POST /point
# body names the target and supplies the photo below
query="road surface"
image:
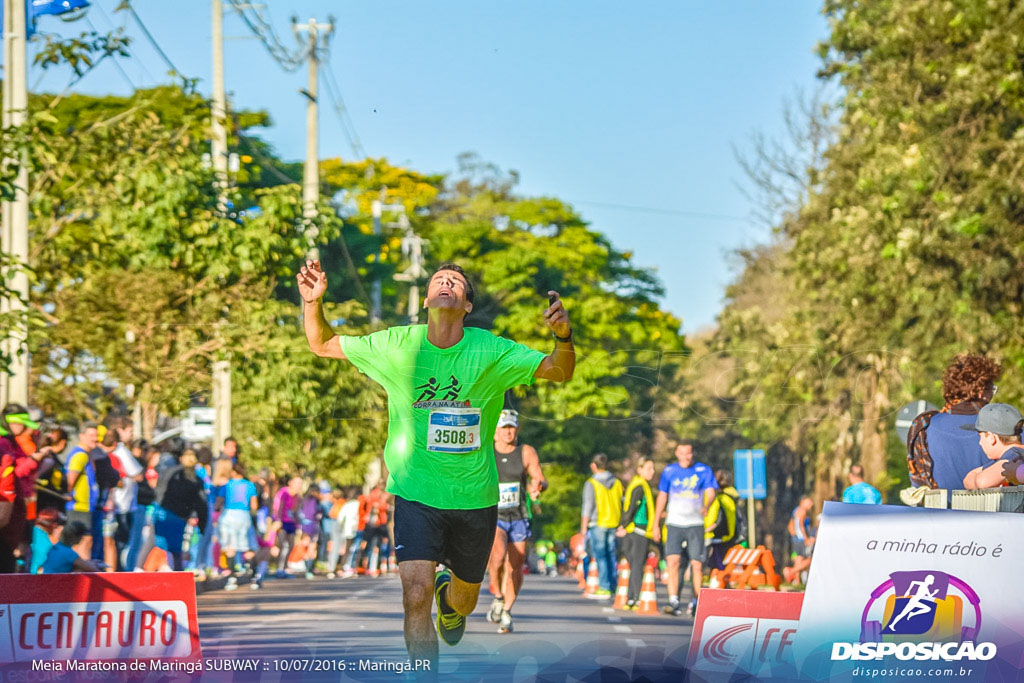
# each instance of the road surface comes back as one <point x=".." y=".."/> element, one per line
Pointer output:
<point x="293" y="626"/>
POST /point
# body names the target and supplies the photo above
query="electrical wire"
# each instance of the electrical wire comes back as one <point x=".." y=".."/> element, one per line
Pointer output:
<point x="342" y="123"/>
<point x="124" y="31"/>
<point x="345" y="121"/>
<point x="288" y="60"/>
<point x="670" y="212"/>
<point x="113" y="57"/>
<point x="268" y="163"/>
<point x="152" y="40"/>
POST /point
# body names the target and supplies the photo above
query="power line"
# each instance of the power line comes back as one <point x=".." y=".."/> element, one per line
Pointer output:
<point x="124" y="29"/>
<point x="289" y="61"/>
<point x="339" y="110"/>
<point x="347" y="127"/>
<point x="152" y="40"/>
<point x="670" y="212"/>
<point x="268" y="162"/>
<point x="116" y="63"/>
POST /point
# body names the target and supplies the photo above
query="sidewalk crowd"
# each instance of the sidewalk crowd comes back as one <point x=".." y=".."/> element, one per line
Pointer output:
<point x="971" y="443"/>
<point x="105" y="501"/>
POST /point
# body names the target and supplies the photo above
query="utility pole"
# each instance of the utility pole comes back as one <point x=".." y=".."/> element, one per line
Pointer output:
<point x="412" y="248"/>
<point x="375" y="286"/>
<point x="378" y="208"/>
<point x="219" y="144"/>
<point x="221" y="403"/>
<point x="219" y="153"/>
<point x="317" y="36"/>
<point x="14" y="386"/>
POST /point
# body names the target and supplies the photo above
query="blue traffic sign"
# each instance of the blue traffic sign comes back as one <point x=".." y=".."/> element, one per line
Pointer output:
<point x="749" y="473"/>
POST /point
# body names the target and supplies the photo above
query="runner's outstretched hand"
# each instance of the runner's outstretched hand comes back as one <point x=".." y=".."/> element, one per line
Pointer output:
<point x="312" y="281"/>
<point x="556" y="316"/>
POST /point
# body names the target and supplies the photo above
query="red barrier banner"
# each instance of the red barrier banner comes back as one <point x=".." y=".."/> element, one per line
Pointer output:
<point x="744" y="632"/>
<point x="55" y="621"/>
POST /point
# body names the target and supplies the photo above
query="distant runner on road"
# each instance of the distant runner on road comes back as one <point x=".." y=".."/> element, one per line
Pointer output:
<point x="519" y="475"/>
<point x="446" y="385"/>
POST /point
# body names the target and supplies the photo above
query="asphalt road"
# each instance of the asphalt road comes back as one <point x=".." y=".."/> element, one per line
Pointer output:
<point x="299" y="630"/>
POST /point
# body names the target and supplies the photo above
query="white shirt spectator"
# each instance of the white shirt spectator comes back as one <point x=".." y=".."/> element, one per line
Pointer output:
<point x="348" y="518"/>
<point x="126" y="495"/>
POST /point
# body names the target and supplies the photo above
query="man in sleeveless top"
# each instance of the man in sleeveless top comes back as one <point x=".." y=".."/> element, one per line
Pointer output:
<point x="519" y="475"/>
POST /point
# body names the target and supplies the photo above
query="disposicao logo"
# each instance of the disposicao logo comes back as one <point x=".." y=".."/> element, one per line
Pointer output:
<point x="922" y="619"/>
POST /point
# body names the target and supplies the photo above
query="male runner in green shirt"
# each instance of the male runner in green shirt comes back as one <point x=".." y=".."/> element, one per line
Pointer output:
<point x="446" y="385"/>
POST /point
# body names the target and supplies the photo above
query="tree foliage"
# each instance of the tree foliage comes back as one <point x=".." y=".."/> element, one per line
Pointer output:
<point x="144" y="281"/>
<point x="902" y="247"/>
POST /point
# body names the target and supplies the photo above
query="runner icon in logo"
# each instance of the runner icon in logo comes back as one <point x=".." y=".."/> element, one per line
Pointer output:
<point x="916" y="603"/>
<point x="925" y="605"/>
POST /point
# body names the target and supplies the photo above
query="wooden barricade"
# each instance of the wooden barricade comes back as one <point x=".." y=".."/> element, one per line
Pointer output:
<point x="747" y="568"/>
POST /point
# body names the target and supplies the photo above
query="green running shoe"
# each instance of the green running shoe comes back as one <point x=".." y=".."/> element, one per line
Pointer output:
<point x="450" y="624"/>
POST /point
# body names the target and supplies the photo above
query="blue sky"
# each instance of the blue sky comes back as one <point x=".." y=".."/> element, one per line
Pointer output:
<point x="635" y="105"/>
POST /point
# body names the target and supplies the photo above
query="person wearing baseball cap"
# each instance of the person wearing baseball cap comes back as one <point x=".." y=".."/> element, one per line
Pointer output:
<point x="520" y="480"/>
<point x="14" y="422"/>
<point x="16" y="414"/>
<point x="999" y="429"/>
<point x="45" y="534"/>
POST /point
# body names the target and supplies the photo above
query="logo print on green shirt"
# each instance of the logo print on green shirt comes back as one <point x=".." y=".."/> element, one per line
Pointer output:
<point x="431" y="390"/>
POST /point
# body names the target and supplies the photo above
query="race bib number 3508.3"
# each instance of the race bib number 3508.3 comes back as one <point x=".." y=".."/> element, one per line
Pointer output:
<point x="454" y="430"/>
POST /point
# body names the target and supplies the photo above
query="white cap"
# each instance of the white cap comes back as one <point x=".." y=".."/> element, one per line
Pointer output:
<point x="508" y="418"/>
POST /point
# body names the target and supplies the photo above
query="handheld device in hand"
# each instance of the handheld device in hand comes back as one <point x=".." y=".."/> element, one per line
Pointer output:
<point x="552" y="298"/>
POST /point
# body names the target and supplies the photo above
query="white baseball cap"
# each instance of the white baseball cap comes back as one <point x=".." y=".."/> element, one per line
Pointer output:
<point x="508" y="418"/>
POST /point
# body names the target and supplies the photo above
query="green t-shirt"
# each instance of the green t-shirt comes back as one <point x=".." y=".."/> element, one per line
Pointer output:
<point x="443" y="406"/>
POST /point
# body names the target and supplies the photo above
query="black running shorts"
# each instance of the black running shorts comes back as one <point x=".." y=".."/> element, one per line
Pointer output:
<point x="460" y="539"/>
<point x="685" y="539"/>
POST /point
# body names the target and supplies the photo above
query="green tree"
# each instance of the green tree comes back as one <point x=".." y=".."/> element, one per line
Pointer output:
<point x="901" y="248"/>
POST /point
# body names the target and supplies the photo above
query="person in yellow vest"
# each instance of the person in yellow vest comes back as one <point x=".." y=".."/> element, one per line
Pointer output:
<point x="639" y="530"/>
<point x="602" y="510"/>
<point x="723" y="524"/>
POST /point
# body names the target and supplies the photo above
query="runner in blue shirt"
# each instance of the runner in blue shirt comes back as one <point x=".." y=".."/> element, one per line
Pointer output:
<point x="685" y="491"/>
<point x="859" y="491"/>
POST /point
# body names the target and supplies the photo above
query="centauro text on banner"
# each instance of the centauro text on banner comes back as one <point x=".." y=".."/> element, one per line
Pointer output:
<point x="948" y="652"/>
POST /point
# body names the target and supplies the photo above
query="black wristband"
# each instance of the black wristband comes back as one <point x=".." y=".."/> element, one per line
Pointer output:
<point x="562" y="339"/>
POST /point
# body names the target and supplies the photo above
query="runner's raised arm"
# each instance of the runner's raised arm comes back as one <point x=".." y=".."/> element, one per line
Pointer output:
<point x="561" y="363"/>
<point x="312" y="285"/>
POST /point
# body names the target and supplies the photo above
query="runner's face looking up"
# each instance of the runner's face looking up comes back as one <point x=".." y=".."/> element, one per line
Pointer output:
<point x="447" y="289"/>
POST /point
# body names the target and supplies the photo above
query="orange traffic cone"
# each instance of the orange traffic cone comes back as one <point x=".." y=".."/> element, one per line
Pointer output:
<point x="579" y="575"/>
<point x="622" y="591"/>
<point x="648" y="603"/>
<point x="592" y="581"/>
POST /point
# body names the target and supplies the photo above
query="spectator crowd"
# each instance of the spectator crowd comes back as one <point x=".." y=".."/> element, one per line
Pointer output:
<point x="105" y="501"/>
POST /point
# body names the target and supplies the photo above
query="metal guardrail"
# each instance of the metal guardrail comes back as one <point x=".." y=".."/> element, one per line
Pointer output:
<point x="1003" y="499"/>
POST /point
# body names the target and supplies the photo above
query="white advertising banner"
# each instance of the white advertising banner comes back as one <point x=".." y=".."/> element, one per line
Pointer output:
<point x="900" y="593"/>
<point x="66" y="622"/>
